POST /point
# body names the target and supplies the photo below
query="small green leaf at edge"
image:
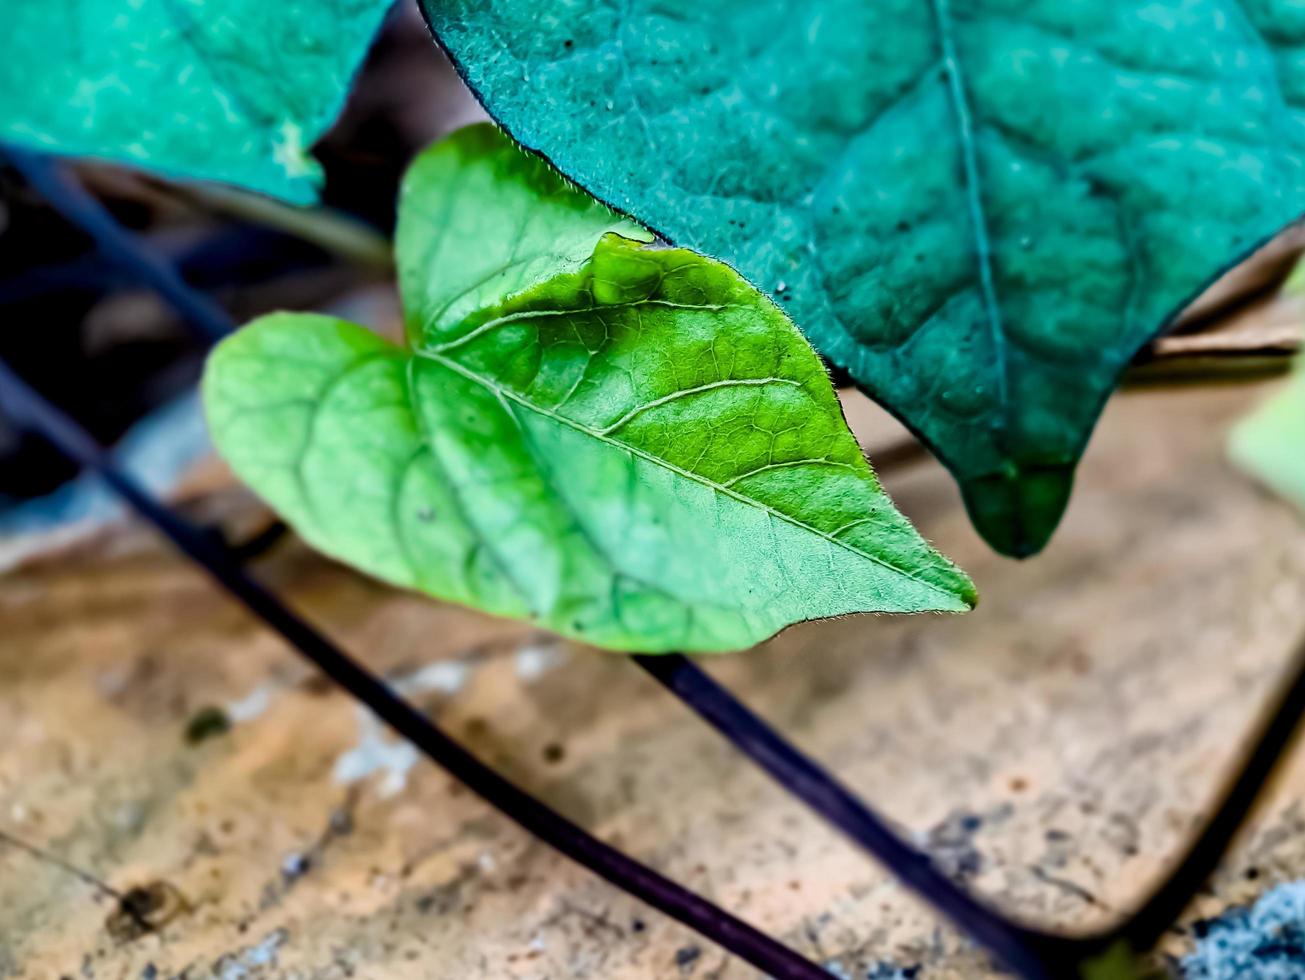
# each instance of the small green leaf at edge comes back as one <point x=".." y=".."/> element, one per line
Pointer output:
<point x="980" y="210"/>
<point x="234" y="92"/>
<point x="635" y="450"/>
<point x="1116" y="962"/>
<point x="1269" y="443"/>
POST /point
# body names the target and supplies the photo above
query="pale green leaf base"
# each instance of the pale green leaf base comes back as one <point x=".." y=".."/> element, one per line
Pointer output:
<point x="1269" y="444"/>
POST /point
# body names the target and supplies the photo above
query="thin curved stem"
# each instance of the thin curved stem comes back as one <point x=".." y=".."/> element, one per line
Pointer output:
<point x="332" y="231"/>
<point x="1030" y="953"/>
<point x="714" y="923"/>
<point x="49" y="178"/>
<point x="1025" y="950"/>
<point x="1150" y="922"/>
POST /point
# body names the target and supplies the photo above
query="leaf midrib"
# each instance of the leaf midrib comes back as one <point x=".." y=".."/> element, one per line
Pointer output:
<point x="502" y="392"/>
<point x="973" y="188"/>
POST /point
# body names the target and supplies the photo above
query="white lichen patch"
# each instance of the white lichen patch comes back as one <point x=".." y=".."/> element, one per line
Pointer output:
<point x="251" y="705"/>
<point x="290" y="152"/>
<point x="376" y="751"/>
<point x="534" y="660"/>
<point x="251" y="961"/>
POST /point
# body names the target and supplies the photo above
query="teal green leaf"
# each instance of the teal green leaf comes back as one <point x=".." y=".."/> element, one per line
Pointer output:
<point x="625" y="444"/>
<point x="1269" y="444"/>
<point x="228" y="90"/>
<point x="980" y="209"/>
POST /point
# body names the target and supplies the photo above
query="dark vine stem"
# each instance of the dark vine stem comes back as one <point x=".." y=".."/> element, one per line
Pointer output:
<point x="48" y="177"/>
<point x="1030" y="953"/>
<point x="767" y="954"/>
<point x="333" y="232"/>
<point x="1034" y="954"/>
<point x="1276" y="733"/>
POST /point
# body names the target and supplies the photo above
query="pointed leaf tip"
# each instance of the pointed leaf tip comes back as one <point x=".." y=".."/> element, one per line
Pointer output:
<point x="1017" y="513"/>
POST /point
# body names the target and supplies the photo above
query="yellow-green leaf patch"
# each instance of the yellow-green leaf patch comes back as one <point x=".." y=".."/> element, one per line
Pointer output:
<point x="626" y="444"/>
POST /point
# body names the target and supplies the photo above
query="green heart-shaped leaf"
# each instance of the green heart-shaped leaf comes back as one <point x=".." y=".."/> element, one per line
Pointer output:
<point x="629" y="445"/>
<point x="1269" y="443"/>
<point x="980" y="208"/>
<point x="235" y="91"/>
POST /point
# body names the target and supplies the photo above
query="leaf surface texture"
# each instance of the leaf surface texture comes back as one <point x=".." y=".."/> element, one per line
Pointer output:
<point x="628" y="445"/>
<point x="980" y="209"/>
<point x="227" y="90"/>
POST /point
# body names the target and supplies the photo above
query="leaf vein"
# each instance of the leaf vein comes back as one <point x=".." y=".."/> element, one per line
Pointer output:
<point x="973" y="188"/>
<point x="674" y="396"/>
<point x="501" y="392"/>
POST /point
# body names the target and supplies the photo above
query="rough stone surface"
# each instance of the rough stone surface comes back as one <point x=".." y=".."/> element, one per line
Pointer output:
<point x="1054" y="748"/>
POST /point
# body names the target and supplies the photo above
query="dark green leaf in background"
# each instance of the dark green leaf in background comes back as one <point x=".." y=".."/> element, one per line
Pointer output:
<point x="229" y="90"/>
<point x="628" y="445"/>
<point x="980" y="208"/>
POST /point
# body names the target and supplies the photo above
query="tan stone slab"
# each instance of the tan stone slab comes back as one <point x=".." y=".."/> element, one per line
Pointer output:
<point x="1054" y="748"/>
